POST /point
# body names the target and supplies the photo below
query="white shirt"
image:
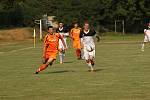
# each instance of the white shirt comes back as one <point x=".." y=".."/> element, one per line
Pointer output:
<point x="147" y="31"/>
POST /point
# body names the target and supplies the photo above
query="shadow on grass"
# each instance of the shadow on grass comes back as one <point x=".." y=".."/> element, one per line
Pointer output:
<point x="63" y="71"/>
<point x="68" y="71"/>
<point x="68" y="61"/>
<point x="96" y="70"/>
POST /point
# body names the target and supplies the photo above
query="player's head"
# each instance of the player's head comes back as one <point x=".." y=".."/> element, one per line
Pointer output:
<point x="86" y="26"/>
<point x="50" y="29"/>
<point x="61" y="24"/>
<point x="76" y="25"/>
<point x="148" y="25"/>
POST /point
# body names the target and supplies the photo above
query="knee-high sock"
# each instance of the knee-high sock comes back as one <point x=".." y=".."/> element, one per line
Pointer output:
<point x="143" y="46"/>
<point x="61" y="56"/>
<point x="90" y="66"/>
<point x="42" y="67"/>
<point x="78" y="53"/>
<point x="82" y="53"/>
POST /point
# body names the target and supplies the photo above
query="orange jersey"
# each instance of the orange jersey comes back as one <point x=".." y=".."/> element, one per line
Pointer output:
<point x="75" y="33"/>
<point x="51" y="41"/>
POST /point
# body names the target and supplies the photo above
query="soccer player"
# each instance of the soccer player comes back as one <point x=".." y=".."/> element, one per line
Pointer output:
<point x="146" y="37"/>
<point x="87" y="36"/>
<point x="50" y="49"/>
<point x="63" y="32"/>
<point x="75" y="35"/>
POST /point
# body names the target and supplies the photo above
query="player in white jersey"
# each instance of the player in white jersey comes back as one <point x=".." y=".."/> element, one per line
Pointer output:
<point x="88" y="45"/>
<point x="64" y="33"/>
<point x="146" y="37"/>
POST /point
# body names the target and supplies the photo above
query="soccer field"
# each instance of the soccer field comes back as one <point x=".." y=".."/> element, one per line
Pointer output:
<point x="123" y="72"/>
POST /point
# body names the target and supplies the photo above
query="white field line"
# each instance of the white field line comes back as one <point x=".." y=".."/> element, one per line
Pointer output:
<point x="122" y="42"/>
<point x="3" y="44"/>
<point x="2" y="52"/>
<point x="22" y="49"/>
<point x="17" y="50"/>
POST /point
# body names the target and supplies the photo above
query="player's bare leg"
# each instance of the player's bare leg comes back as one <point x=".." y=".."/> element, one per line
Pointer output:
<point x="44" y="66"/>
<point x="143" y="46"/>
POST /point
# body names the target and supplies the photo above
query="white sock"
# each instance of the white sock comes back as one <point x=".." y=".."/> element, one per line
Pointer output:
<point x="61" y="57"/>
<point x="82" y="54"/>
<point x="90" y="66"/>
<point x="143" y="46"/>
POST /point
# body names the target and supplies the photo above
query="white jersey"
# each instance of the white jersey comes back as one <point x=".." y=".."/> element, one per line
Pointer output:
<point x="147" y="35"/>
<point x="147" y="31"/>
<point x="88" y="40"/>
<point x="63" y="32"/>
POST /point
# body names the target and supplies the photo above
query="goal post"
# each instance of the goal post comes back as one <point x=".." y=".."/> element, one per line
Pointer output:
<point x="123" y="26"/>
<point x="40" y="23"/>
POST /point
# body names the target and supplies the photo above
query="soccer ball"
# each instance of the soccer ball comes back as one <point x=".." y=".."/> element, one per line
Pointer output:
<point x="89" y="47"/>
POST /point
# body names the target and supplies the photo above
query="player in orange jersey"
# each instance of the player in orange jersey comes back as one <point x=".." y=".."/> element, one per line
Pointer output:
<point x="75" y="35"/>
<point x="50" y="49"/>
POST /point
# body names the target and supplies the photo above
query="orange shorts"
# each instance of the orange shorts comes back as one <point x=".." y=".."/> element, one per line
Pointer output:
<point x="77" y="44"/>
<point x="51" y="54"/>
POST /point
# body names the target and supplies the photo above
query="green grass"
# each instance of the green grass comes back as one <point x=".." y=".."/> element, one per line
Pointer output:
<point x="123" y="73"/>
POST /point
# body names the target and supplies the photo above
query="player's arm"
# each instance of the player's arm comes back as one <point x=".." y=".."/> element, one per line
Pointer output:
<point x="81" y="39"/>
<point x="70" y="33"/>
<point x="145" y="32"/>
<point x="44" y="47"/>
<point x="66" y="32"/>
<point x="94" y="32"/>
<point x="96" y="36"/>
<point x="44" y="51"/>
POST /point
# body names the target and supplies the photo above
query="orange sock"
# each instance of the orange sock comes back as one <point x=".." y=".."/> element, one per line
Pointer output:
<point x="78" y="53"/>
<point x="44" y="66"/>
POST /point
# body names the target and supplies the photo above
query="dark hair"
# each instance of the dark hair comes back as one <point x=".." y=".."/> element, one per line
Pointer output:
<point x="49" y="27"/>
<point x="60" y="22"/>
<point x="86" y="23"/>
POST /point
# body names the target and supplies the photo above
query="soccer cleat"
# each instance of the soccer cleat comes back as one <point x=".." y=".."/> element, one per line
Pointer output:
<point x="36" y="72"/>
<point x="79" y="58"/>
<point x="91" y="70"/>
<point x="92" y="64"/>
<point x="61" y="62"/>
<point x="142" y="50"/>
<point x="51" y="64"/>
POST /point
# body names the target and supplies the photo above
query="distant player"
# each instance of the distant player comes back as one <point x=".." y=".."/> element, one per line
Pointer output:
<point x="146" y="37"/>
<point x="87" y="36"/>
<point x="75" y="36"/>
<point x="50" y="48"/>
<point x="64" y="33"/>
